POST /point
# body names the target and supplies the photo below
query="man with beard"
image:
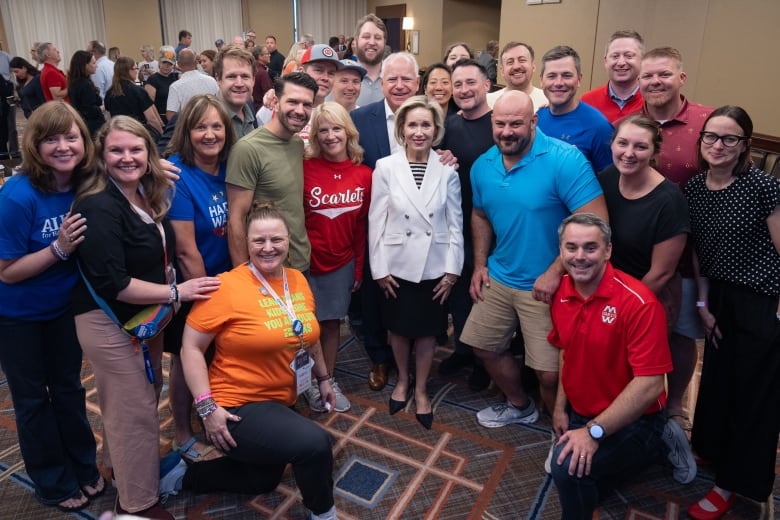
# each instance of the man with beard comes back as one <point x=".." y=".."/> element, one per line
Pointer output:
<point x="522" y="188"/>
<point x="661" y="77"/>
<point x="267" y="165"/>
<point x="611" y="332"/>
<point x="517" y="69"/>
<point x="370" y="40"/>
<point x="277" y="58"/>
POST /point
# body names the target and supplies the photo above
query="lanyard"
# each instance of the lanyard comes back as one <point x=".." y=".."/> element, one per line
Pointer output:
<point x="286" y="305"/>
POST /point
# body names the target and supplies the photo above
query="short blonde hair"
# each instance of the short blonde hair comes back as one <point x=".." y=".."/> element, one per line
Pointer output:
<point x="419" y="102"/>
<point x="336" y="114"/>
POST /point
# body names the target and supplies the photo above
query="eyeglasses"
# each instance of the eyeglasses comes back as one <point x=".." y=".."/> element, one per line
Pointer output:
<point x="729" y="141"/>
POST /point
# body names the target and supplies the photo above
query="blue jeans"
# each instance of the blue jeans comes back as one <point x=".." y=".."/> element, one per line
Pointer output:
<point x="42" y="361"/>
<point x="619" y="456"/>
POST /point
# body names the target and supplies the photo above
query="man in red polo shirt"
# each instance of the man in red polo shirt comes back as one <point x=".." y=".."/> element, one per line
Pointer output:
<point x="619" y="96"/>
<point x="53" y="81"/>
<point x="611" y="330"/>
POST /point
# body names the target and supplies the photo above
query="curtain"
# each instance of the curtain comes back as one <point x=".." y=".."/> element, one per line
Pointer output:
<point x="207" y="20"/>
<point x="69" y="25"/>
<point x="326" y="18"/>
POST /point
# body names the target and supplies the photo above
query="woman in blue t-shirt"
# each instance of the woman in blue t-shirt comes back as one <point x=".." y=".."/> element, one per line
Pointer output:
<point x="200" y="144"/>
<point x="39" y="351"/>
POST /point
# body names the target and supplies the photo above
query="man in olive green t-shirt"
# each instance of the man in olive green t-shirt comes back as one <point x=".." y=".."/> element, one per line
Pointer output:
<point x="267" y="166"/>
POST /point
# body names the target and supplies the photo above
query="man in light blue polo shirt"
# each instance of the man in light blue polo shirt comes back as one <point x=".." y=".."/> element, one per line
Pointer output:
<point x="522" y="188"/>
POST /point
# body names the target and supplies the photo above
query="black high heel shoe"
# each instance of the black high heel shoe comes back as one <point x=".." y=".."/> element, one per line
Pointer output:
<point x="394" y="406"/>
<point x="426" y="419"/>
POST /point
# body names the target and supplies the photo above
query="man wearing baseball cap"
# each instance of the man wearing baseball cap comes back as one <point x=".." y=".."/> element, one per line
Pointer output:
<point x="321" y="63"/>
<point x="346" y="87"/>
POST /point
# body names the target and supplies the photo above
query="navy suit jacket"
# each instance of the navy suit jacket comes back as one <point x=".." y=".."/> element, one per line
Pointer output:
<point x="371" y="123"/>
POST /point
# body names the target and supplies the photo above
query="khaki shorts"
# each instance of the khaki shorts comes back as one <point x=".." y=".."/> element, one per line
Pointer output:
<point x="492" y="321"/>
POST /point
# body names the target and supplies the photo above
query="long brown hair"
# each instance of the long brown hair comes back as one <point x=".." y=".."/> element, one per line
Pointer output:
<point x="52" y="118"/>
<point x="157" y="188"/>
<point x="122" y="69"/>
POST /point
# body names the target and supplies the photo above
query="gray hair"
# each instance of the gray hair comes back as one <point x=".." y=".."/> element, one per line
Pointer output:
<point x="402" y="55"/>
<point x="586" y="219"/>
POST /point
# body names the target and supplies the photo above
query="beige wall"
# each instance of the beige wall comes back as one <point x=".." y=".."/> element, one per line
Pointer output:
<point x="729" y="48"/>
<point x="471" y="21"/>
<point x="271" y="17"/>
<point x="129" y="25"/>
<point x="427" y="19"/>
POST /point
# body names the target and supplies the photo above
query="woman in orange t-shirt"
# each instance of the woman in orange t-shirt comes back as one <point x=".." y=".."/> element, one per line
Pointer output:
<point x="263" y="324"/>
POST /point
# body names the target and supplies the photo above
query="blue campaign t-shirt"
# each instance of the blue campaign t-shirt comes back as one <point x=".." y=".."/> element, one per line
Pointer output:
<point x="526" y="204"/>
<point x="200" y="198"/>
<point x="31" y="220"/>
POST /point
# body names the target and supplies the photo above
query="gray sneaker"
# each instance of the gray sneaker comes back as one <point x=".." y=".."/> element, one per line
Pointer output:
<point x="679" y="455"/>
<point x="502" y="414"/>
<point x="314" y="398"/>
<point x="342" y="403"/>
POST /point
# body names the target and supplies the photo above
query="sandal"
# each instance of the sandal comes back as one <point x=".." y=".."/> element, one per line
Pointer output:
<point x="72" y="509"/>
<point x="721" y="506"/>
<point x="98" y="485"/>
<point x="190" y="453"/>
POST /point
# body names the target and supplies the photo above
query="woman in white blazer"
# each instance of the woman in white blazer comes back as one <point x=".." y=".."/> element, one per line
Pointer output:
<point x="415" y="236"/>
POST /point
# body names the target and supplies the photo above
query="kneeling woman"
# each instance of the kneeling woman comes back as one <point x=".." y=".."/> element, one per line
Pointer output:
<point x="262" y="321"/>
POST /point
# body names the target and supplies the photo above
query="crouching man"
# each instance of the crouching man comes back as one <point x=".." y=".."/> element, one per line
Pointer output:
<point x="612" y="334"/>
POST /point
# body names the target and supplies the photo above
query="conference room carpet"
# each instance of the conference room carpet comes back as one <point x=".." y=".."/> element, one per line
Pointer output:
<point x="390" y="467"/>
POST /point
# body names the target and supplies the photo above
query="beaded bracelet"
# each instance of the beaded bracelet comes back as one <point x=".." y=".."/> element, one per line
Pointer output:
<point x="322" y="379"/>
<point x="206" y="407"/>
<point x="174" y="296"/>
<point x="202" y="397"/>
<point x="58" y="252"/>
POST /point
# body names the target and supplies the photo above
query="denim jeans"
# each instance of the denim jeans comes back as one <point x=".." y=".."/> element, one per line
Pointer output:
<point x="42" y="362"/>
<point x="619" y="456"/>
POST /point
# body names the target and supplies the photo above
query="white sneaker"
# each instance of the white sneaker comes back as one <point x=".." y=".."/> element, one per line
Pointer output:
<point x="502" y="414"/>
<point x="314" y="398"/>
<point x="342" y="403"/>
<point x="679" y="455"/>
<point x="548" y="460"/>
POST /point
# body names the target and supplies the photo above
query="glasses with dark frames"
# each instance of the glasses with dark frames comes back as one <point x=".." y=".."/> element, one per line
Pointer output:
<point x="729" y="141"/>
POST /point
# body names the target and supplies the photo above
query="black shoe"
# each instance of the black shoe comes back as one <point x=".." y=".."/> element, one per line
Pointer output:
<point x="394" y="406"/>
<point x="426" y="419"/>
<point x="479" y="379"/>
<point x="454" y="363"/>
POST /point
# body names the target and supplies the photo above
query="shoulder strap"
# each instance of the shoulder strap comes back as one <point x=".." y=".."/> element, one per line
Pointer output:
<point x="100" y="301"/>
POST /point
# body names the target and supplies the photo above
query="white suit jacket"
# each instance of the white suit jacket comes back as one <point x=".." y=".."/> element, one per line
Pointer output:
<point x="414" y="233"/>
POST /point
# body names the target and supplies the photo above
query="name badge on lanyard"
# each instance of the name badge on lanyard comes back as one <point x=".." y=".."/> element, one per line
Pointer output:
<point x="302" y="363"/>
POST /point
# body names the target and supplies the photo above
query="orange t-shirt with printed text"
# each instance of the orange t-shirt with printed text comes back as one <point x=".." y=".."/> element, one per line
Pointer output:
<point x="255" y="344"/>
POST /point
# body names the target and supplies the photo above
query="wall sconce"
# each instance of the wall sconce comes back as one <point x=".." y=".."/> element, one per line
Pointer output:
<point x="407" y="25"/>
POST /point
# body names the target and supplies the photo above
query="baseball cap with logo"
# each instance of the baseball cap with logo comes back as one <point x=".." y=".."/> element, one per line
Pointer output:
<point x="219" y="43"/>
<point x="167" y="54"/>
<point x="321" y="52"/>
<point x="353" y="65"/>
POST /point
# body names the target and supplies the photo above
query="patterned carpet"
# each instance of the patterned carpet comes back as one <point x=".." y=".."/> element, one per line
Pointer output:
<point x="391" y="468"/>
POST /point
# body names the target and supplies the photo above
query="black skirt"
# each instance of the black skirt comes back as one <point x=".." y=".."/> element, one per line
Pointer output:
<point x="414" y="313"/>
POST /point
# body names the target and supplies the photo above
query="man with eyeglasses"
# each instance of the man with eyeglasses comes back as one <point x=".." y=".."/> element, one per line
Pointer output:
<point x="661" y="77"/>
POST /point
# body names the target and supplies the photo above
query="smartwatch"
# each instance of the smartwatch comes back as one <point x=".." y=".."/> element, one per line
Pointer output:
<point x="596" y="431"/>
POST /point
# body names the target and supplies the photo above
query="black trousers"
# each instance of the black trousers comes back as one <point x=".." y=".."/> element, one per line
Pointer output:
<point x="737" y="418"/>
<point x="270" y="436"/>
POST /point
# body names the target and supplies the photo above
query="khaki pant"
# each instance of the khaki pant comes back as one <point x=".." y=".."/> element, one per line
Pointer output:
<point x="128" y="403"/>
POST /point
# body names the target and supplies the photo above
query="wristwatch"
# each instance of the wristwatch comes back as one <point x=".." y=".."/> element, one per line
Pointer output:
<point x="595" y="430"/>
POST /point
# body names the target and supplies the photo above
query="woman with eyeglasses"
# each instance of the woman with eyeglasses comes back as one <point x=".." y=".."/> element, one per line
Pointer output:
<point x="735" y="224"/>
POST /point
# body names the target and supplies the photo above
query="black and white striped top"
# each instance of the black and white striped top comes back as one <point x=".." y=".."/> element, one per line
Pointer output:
<point x="418" y="171"/>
